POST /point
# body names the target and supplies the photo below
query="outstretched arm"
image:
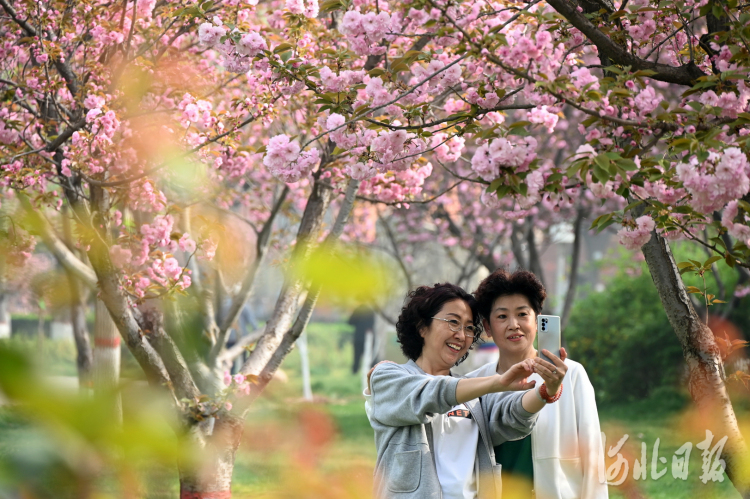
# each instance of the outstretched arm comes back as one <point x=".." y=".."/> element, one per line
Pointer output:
<point x="514" y="379"/>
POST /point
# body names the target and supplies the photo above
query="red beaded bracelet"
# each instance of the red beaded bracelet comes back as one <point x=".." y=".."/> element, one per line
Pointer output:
<point x="545" y="395"/>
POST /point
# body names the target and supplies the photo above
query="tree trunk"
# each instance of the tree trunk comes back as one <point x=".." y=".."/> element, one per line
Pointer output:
<point x="516" y="246"/>
<point x="706" y="382"/>
<point x="289" y="337"/>
<point x="570" y="295"/>
<point x="84" y="358"/>
<point x="206" y="473"/>
<point x="106" y="368"/>
<point x="5" y="331"/>
<point x="286" y="304"/>
<point x="535" y="262"/>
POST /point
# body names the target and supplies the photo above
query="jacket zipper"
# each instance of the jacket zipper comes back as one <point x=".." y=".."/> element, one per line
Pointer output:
<point x="428" y="431"/>
<point x="490" y="450"/>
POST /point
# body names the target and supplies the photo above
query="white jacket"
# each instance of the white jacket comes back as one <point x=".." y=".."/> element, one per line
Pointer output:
<point x="566" y="443"/>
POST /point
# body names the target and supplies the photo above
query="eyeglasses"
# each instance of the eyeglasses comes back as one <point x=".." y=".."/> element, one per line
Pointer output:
<point x="455" y="326"/>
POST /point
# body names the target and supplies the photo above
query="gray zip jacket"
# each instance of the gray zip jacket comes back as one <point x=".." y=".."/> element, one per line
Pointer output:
<point x="403" y="403"/>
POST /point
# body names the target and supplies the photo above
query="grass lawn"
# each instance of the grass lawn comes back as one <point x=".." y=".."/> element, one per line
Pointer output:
<point x="293" y="449"/>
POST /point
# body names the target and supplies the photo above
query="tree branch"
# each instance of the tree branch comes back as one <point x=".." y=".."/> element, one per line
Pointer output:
<point x="62" y="67"/>
<point x="686" y="74"/>
<point x="179" y="374"/>
<point x="396" y="252"/>
<point x="56" y="246"/>
<point x="238" y="301"/>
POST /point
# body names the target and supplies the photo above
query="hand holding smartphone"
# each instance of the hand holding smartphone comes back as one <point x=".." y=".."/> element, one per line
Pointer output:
<point x="548" y="335"/>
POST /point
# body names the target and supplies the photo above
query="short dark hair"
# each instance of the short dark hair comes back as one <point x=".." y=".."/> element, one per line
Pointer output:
<point x="502" y="283"/>
<point x="420" y="307"/>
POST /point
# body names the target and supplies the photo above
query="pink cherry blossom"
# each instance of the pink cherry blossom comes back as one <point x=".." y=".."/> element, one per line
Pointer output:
<point x="634" y="238"/>
<point x="120" y="256"/>
<point x="209" y="34"/>
<point x="723" y="177"/>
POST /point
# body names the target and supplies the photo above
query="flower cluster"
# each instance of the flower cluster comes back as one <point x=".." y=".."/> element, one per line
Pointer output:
<point x="544" y="117"/>
<point x="239" y="384"/>
<point x="738" y="230"/>
<point x="396" y="187"/>
<point x="394" y="150"/>
<point x="307" y="8"/>
<point x="343" y="81"/>
<point x="638" y="234"/>
<point x="147" y="259"/>
<point x="447" y="150"/>
<point x="237" y="56"/>
<point x="285" y="161"/>
<point x="647" y="100"/>
<point x="720" y="179"/>
<point x="364" y="31"/>
<point x="445" y="79"/>
<point x="514" y="153"/>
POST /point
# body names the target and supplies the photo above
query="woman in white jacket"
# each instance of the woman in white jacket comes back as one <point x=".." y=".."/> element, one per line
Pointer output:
<point x="562" y="458"/>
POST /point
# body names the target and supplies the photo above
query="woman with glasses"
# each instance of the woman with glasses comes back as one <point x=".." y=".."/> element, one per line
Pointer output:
<point x="562" y="458"/>
<point x="434" y="432"/>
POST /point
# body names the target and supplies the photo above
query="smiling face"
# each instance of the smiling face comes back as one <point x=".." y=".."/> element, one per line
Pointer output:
<point x="443" y="347"/>
<point x="512" y="325"/>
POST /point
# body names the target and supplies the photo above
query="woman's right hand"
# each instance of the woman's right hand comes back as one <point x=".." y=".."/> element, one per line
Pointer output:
<point x="516" y="378"/>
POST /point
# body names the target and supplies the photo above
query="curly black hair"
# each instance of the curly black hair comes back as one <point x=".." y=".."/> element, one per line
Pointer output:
<point x="420" y="306"/>
<point x="502" y="283"/>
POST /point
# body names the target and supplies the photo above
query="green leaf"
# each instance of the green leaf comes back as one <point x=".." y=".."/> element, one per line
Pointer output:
<point x="600" y="220"/>
<point x="717" y="11"/>
<point x="711" y="261"/>
<point x="633" y="205"/>
<point x="521" y="132"/>
<point x="685" y="265"/>
<point x="555" y="177"/>
<point x="331" y="5"/>
<point x="495" y="184"/>
<point x="600" y="173"/>
<point x="502" y="191"/>
<point x="282" y="47"/>
<point x="731" y="261"/>
<point x="602" y="161"/>
<point x="519" y="124"/>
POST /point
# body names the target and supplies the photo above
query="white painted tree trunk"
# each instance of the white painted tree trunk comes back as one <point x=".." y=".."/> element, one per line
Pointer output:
<point x="305" y="358"/>
<point x="4" y="313"/>
<point x="106" y="363"/>
<point x="367" y="357"/>
<point x="206" y="472"/>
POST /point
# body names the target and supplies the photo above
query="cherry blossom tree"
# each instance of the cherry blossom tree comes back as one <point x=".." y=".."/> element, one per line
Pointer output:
<point x="158" y="122"/>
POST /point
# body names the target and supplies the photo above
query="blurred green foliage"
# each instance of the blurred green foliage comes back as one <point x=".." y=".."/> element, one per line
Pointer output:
<point x="56" y="441"/>
<point x="623" y="337"/>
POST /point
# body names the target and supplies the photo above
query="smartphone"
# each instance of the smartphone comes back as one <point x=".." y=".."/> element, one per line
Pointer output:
<point x="548" y="335"/>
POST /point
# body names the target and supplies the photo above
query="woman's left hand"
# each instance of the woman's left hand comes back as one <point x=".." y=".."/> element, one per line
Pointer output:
<point x="552" y="373"/>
